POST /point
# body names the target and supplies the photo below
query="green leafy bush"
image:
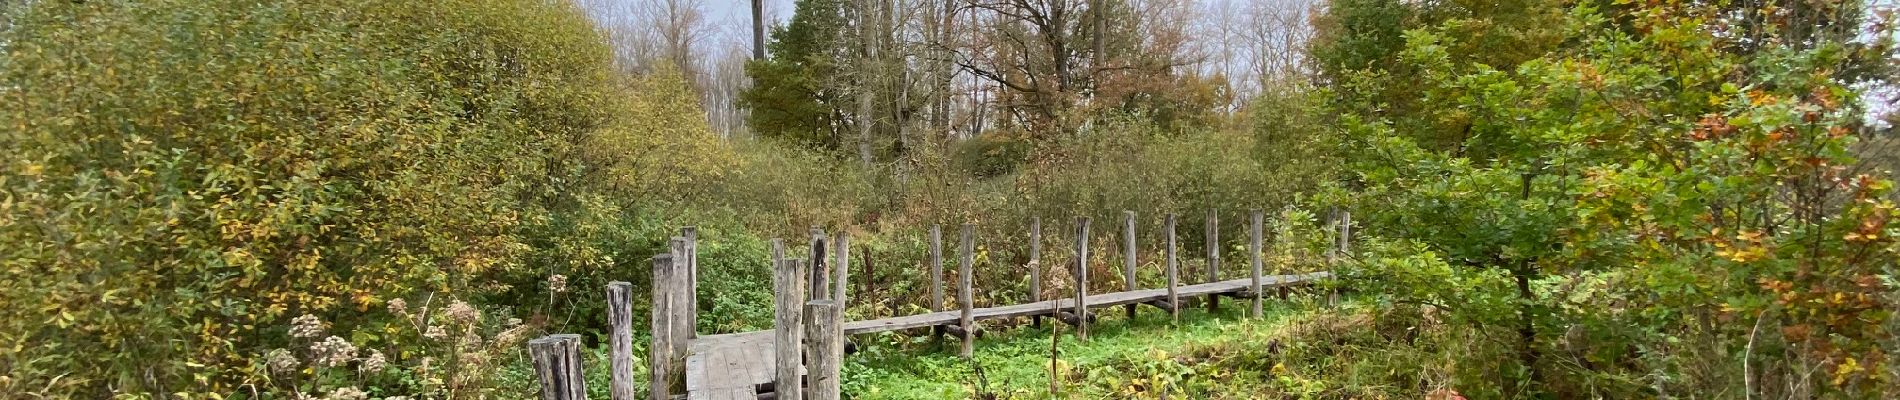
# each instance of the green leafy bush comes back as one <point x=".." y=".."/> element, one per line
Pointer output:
<point x="184" y="178"/>
<point x="1657" y="210"/>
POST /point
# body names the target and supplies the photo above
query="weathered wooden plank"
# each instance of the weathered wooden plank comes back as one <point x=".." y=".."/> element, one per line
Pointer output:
<point x="790" y="298"/>
<point x="1068" y="304"/>
<point x="620" y="341"/>
<point x="557" y="362"/>
<point x="966" y="266"/>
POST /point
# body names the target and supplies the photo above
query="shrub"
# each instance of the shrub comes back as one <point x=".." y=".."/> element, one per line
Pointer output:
<point x="184" y="177"/>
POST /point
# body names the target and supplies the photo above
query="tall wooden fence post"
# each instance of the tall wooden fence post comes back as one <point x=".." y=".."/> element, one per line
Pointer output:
<point x="1128" y="256"/>
<point x="936" y="277"/>
<point x="1174" y="268"/>
<point x="1344" y="249"/>
<point x="1082" y="278"/>
<point x="966" y="268"/>
<point x="692" y="280"/>
<point x="827" y="348"/>
<point x="820" y="267"/>
<point x="620" y="321"/>
<point x="1253" y="250"/>
<point x="1035" y="266"/>
<point x="557" y="362"/>
<point x="678" y="293"/>
<point x="660" y="366"/>
<point x="1213" y="256"/>
<point x="842" y="266"/>
<point x="788" y="287"/>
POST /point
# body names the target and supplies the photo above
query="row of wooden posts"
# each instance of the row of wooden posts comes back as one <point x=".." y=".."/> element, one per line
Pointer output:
<point x="809" y="329"/>
<point x="675" y="314"/>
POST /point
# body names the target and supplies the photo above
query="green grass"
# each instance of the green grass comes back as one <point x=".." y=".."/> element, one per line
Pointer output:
<point x="1221" y="355"/>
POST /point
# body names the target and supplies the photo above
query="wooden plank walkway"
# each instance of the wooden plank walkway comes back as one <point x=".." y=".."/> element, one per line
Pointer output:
<point x="733" y="366"/>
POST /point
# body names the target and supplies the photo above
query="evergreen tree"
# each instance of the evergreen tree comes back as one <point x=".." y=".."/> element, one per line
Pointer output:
<point x="797" y="94"/>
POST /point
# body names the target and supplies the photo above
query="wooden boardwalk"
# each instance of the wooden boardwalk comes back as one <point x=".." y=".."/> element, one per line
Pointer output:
<point x="736" y="365"/>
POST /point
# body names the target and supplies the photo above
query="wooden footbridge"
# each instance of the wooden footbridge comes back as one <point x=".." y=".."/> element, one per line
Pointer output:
<point x="809" y="335"/>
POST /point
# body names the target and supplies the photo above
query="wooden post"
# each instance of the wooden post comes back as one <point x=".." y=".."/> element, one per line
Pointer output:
<point x="842" y="265"/>
<point x="1128" y="256"/>
<point x="692" y="280"/>
<point x="965" y="269"/>
<point x="936" y="277"/>
<point x="1174" y="278"/>
<point x="1332" y="252"/>
<point x="1345" y="233"/>
<point x="1082" y="278"/>
<point x="680" y="310"/>
<point x="820" y="267"/>
<point x="789" y="295"/>
<point x="557" y="362"/>
<point x="620" y="321"/>
<point x="826" y="349"/>
<point x="1035" y="266"/>
<point x="661" y="369"/>
<point x="778" y="251"/>
<point x="1213" y="256"/>
<point x="1345" y="249"/>
<point x="1253" y="250"/>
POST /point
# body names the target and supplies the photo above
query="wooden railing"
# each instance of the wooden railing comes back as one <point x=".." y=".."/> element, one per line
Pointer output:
<point x="809" y="334"/>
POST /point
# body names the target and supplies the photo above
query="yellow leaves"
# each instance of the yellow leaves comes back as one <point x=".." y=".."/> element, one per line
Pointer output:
<point x="1760" y="98"/>
<point x="1747" y="246"/>
<point x="1845" y="370"/>
<point x="363" y="299"/>
<point x="1858" y="237"/>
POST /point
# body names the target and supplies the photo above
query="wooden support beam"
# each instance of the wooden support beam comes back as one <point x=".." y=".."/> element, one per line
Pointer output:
<point x="1070" y="318"/>
<point x="661" y="369"/>
<point x="1174" y="267"/>
<point x="1253" y="251"/>
<point x="965" y="267"/>
<point x="557" y="363"/>
<point x="936" y="276"/>
<point x="1128" y="256"/>
<point x="1082" y="276"/>
<point x="1213" y="256"/>
<point x="620" y="340"/>
<point x="1163" y="305"/>
<point x="959" y="332"/>
<point x="789" y="296"/>
<point x="1035" y="266"/>
<point x="825" y="347"/>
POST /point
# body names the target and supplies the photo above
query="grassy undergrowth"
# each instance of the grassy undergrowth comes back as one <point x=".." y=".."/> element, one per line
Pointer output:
<point x="1210" y="355"/>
